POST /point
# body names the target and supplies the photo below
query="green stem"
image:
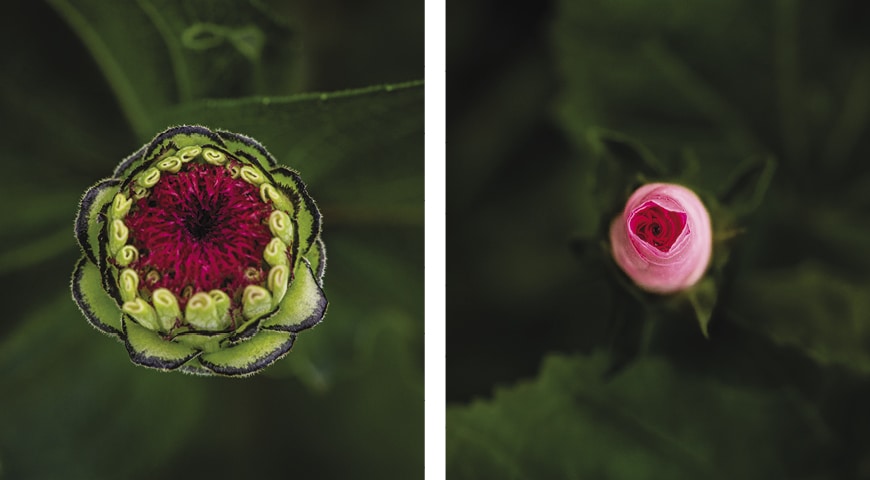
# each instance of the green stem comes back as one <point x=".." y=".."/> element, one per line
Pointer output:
<point x="127" y="96"/>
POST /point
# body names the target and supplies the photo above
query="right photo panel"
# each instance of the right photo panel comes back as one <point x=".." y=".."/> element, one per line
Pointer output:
<point x="658" y="247"/>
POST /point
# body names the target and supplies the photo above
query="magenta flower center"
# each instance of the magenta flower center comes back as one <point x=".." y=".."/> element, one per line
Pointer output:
<point x="657" y="225"/>
<point x="199" y="230"/>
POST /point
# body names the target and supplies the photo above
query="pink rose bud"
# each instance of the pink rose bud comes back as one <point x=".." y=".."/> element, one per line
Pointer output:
<point x="663" y="238"/>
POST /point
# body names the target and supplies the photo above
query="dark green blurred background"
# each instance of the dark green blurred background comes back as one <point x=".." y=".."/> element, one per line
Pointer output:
<point x="554" y="370"/>
<point x="85" y="83"/>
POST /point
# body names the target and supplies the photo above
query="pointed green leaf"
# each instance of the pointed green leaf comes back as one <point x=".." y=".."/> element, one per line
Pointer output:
<point x="148" y="348"/>
<point x="97" y="306"/>
<point x="250" y="356"/>
<point x="303" y="305"/>
<point x="812" y="308"/>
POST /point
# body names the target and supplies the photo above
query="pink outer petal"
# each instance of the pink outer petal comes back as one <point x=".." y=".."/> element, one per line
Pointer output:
<point x="687" y="260"/>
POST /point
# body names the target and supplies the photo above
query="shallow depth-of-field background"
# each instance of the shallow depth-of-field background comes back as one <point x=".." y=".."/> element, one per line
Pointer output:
<point x="84" y="83"/>
<point x="555" y="370"/>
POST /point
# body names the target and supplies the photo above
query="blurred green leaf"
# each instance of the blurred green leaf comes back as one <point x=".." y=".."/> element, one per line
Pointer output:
<point x="661" y="73"/>
<point x="77" y="398"/>
<point x="812" y="308"/>
<point x="651" y="421"/>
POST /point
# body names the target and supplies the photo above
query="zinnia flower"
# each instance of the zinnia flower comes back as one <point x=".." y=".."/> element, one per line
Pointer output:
<point x="663" y="238"/>
<point x="201" y="253"/>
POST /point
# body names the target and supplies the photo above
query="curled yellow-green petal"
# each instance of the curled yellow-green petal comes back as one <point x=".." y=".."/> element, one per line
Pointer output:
<point x="149" y="177"/>
<point x="275" y="252"/>
<point x="201" y="313"/>
<point x="188" y="153"/>
<point x="139" y="191"/>
<point x="268" y="193"/>
<point x="126" y="255"/>
<point x="143" y="313"/>
<point x="120" y="206"/>
<point x="118" y="235"/>
<point x="166" y="306"/>
<point x="281" y="226"/>
<point x="221" y="305"/>
<point x="251" y="175"/>
<point x="128" y="284"/>
<point x="171" y="164"/>
<point x="256" y="302"/>
<point x="277" y="282"/>
<point x="213" y="156"/>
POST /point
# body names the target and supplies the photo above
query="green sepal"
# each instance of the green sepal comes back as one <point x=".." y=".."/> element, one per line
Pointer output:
<point x="193" y="367"/>
<point x="202" y="341"/>
<point x="250" y="356"/>
<point x="88" y="222"/>
<point x="149" y="349"/>
<point x="631" y="153"/>
<point x="98" y="307"/>
<point x="702" y="297"/>
<point x="317" y="257"/>
<point x="248" y="149"/>
<point x="303" y="306"/>
<point x="306" y="214"/>
<point x="128" y="163"/>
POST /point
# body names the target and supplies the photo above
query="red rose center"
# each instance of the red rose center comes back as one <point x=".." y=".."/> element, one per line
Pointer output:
<point x="657" y="225"/>
<point x="198" y="230"/>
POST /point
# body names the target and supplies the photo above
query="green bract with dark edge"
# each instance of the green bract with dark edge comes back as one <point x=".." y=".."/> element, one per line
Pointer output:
<point x="224" y="331"/>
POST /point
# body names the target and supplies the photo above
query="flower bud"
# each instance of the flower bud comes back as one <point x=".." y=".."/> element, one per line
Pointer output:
<point x="175" y="249"/>
<point x="663" y="239"/>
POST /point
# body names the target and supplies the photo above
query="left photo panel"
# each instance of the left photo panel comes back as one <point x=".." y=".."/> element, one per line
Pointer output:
<point x="213" y="242"/>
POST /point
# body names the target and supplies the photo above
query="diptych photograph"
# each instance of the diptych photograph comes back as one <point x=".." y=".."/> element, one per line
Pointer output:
<point x="375" y="239"/>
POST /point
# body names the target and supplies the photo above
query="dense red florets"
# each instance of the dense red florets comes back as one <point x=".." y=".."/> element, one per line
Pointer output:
<point x="199" y="230"/>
